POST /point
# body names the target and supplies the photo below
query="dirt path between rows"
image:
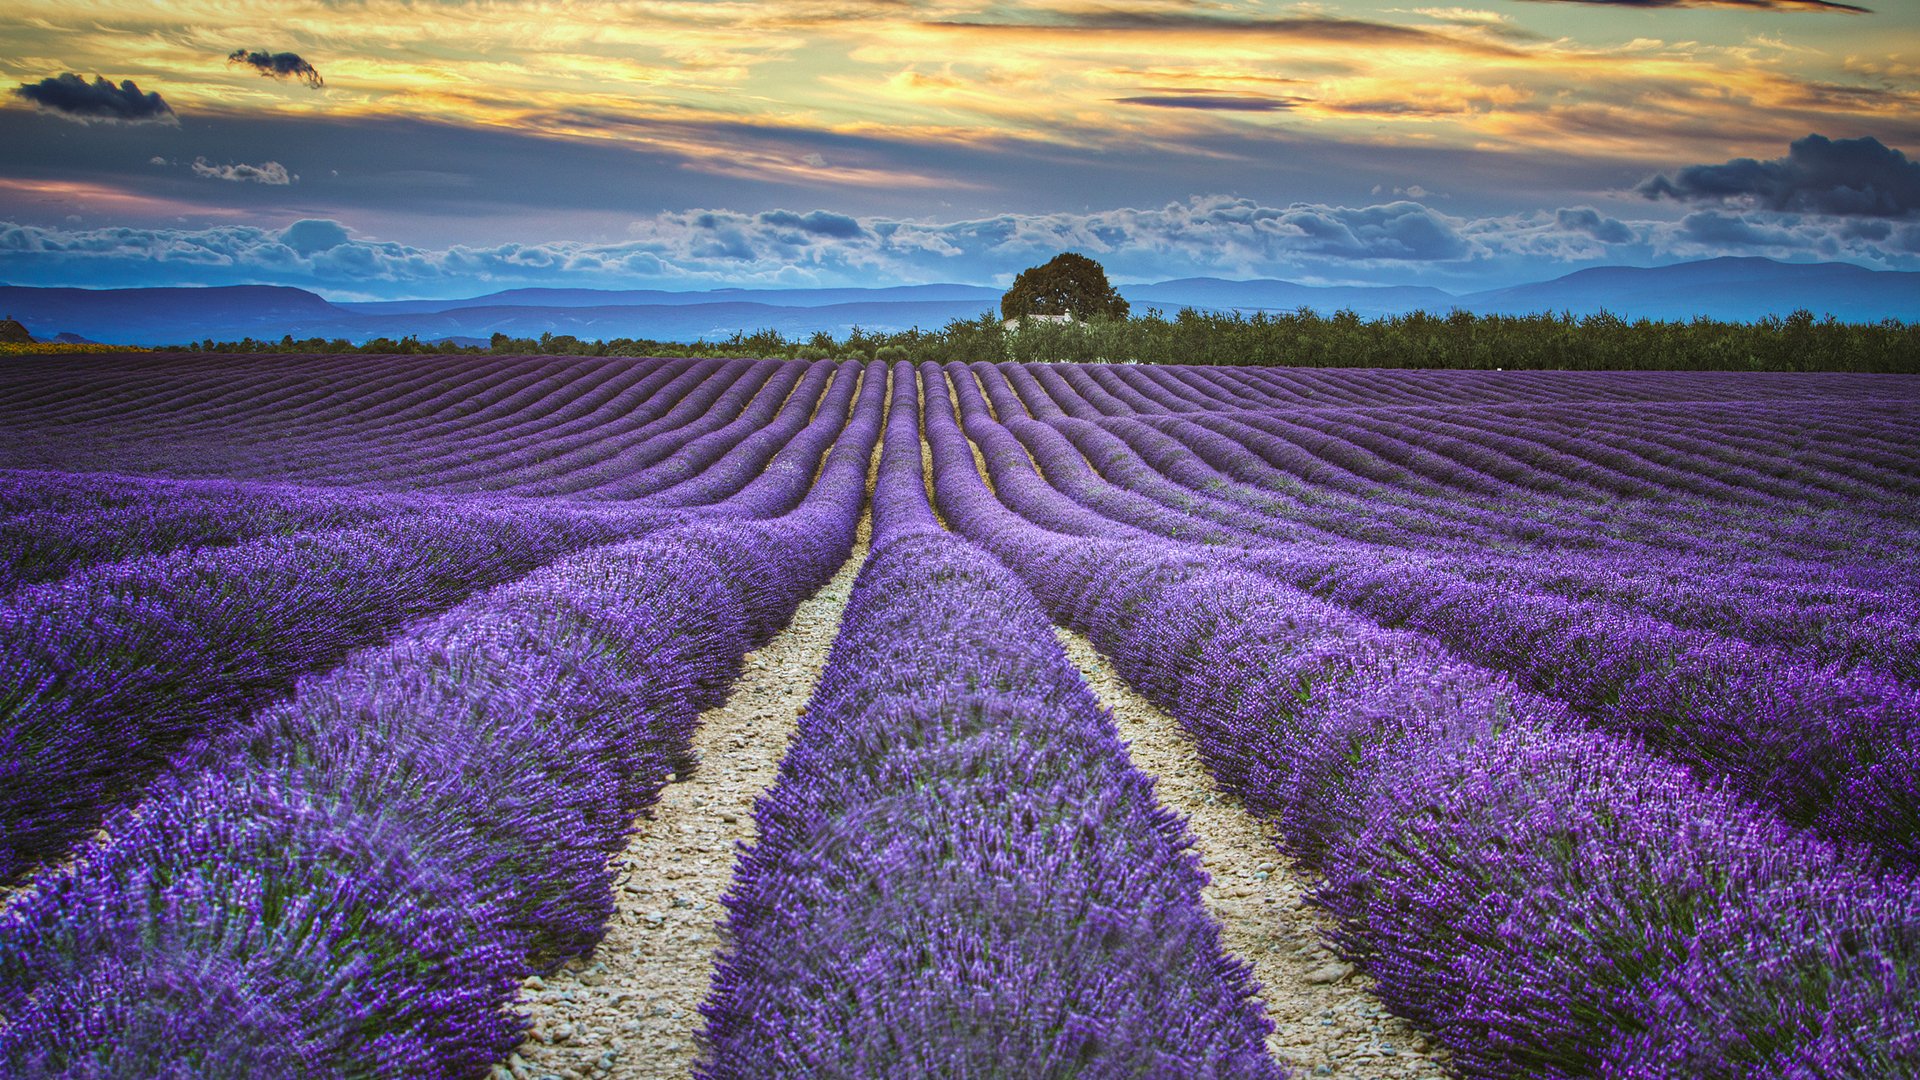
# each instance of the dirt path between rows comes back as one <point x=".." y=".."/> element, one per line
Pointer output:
<point x="630" y="1010"/>
<point x="1326" y="1021"/>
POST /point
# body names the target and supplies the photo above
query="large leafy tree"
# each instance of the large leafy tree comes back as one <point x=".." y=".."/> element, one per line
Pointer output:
<point x="1067" y="284"/>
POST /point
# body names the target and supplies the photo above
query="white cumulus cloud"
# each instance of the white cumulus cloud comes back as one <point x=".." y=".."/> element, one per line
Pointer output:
<point x="1401" y="241"/>
<point x="267" y="172"/>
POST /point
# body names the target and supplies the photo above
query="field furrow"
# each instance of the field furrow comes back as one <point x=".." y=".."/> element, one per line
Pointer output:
<point x="630" y="1008"/>
<point x="741" y="717"/>
<point x="1323" y="1011"/>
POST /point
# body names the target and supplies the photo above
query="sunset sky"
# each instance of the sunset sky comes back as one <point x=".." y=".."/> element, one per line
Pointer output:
<point x="383" y="148"/>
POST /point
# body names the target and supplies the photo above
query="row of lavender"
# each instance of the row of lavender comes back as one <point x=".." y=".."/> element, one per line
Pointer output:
<point x="1551" y="900"/>
<point x="535" y="429"/>
<point x="1820" y="723"/>
<point x="562" y="424"/>
<point x="355" y="879"/>
<point x="110" y="671"/>
<point x="1560" y="463"/>
<point x="1831" y="583"/>
<point x="958" y="873"/>
<point x="185" y="605"/>
<point x="1307" y="710"/>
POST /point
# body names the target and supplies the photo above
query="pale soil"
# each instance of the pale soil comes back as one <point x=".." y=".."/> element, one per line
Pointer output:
<point x="631" y="1009"/>
<point x="1326" y="1021"/>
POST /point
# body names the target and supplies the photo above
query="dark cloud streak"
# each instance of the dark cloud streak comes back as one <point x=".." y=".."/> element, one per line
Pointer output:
<point x="72" y="97"/>
<point x="1308" y="28"/>
<point x="1750" y="5"/>
<point x="280" y="65"/>
<point x="1220" y="102"/>
<point x="1847" y="177"/>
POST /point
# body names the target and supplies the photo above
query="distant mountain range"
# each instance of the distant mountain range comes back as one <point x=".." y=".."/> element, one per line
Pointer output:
<point x="1731" y="289"/>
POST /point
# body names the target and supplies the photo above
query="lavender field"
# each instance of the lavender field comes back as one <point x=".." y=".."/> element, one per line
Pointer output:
<point x="1570" y="722"/>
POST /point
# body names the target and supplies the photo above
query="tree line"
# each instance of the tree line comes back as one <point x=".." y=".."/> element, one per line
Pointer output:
<point x="1460" y="339"/>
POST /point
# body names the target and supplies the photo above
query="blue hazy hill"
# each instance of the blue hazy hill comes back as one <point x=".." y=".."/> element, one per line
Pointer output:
<point x="1734" y="289"/>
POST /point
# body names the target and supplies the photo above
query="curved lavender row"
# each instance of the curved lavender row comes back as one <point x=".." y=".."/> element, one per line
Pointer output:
<point x="1195" y="502"/>
<point x="1197" y="489"/>
<point x="1187" y="385"/>
<point x="264" y="924"/>
<point x="1870" y="627"/>
<point x="1257" y="472"/>
<point x="631" y="394"/>
<point x="539" y="442"/>
<point x="901" y="506"/>
<point x="1029" y="392"/>
<point x="1171" y="386"/>
<point x="1318" y="485"/>
<point x="1397" y="514"/>
<point x="1219" y="464"/>
<point x="1232" y="389"/>
<point x="1103" y="472"/>
<point x="487" y="390"/>
<point x="1787" y="526"/>
<point x="1827" y="622"/>
<point x="1838" y="751"/>
<point x="1137" y="399"/>
<point x="1474" y="838"/>
<point x="817" y="536"/>
<point x="1097" y="508"/>
<point x="798" y="426"/>
<point x="186" y="403"/>
<point x="464" y="407"/>
<point x="222" y="387"/>
<point x="1454" y="454"/>
<point x="795" y="403"/>
<point x="1573" y="449"/>
<point x="84" y="519"/>
<point x="1093" y="392"/>
<point x="753" y="491"/>
<point x="1294" y="465"/>
<point x="628" y="419"/>
<point x="1708" y="448"/>
<point x="460" y="389"/>
<point x="1240" y="467"/>
<point x="1854" y="444"/>
<point x="106" y="672"/>
<point x="1699" y="468"/>
<point x="1859" y="454"/>
<point x="1083" y="470"/>
<point x="447" y="435"/>
<point x="367" y="871"/>
<point x="1703" y="460"/>
<point x="704" y="408"/>
<point x="957" y="871"/>
<point x="1305" y="386"/>
<point x="1067" y="393"/>
<point x="536" y="389"/>
<point x="1834" y="750"/>
<point x="1019" y="482"/>
<point x="1498" y="465"/>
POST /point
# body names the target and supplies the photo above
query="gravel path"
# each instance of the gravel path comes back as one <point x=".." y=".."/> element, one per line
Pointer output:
<point x="631" y="1009"/>
<point x="1326" y="1021"/>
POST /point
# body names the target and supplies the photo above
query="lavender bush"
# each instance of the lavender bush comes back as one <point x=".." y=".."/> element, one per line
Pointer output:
<point x="957" y="871"/>
<point x="1591" y="695"/>
<point x="1518" y="884"/>
<point x="109" y="671"/>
